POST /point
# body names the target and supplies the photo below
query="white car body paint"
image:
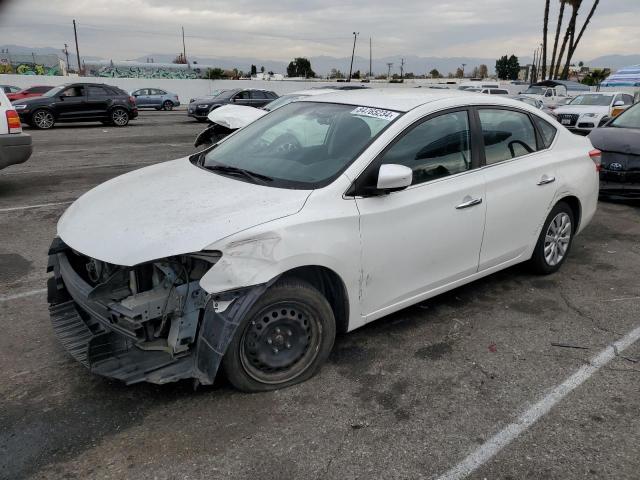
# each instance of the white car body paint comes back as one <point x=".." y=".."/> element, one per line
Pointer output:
<point x="390" y="251"/>
<point x="235" y="116"/>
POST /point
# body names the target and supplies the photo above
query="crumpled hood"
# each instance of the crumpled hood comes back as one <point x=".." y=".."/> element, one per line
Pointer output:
<point x="582" y="109"/>
<point x="618" y="140"/>
<point x="169" y="209"/>
<point x="234" y="117"/>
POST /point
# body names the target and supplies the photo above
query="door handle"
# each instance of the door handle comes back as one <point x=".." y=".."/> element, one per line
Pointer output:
<point x="469" y="202"/>
<point x="544" y="180"/>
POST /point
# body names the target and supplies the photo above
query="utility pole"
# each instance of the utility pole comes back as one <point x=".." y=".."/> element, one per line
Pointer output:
<point x="75" y="34"/>
<point x="370" y="61"/>
<point x="66" y="53"/>
<point x="389" y="65"/>
<point x="401" y="69"/>
<point x="533" y="67"/>
<point x="353" y="52"/>
<point x="184" y="48"/>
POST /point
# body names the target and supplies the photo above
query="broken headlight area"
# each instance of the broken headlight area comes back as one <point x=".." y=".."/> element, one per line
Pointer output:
<point x="125" y="322"/>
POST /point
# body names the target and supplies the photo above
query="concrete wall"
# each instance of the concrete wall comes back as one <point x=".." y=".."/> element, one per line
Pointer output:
<point x="186" y="89"/>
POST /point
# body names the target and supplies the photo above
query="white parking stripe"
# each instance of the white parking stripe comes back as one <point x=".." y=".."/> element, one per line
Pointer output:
<point x="504" y="437"/>
<point x="28" y="207"/>
<point x="6" y="298"/>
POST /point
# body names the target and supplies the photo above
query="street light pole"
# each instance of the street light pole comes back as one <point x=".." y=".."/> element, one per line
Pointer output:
<point x="353" y="52"/>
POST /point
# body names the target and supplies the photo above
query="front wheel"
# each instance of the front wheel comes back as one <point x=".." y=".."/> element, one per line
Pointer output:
<point x="42" y="119"/>
<point x="555" y="240"/>
<point x="283" y="340"/>
<point x="119" y="117"/>
<point x="167" y="105"/>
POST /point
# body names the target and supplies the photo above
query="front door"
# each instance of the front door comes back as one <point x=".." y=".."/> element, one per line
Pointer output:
<point x="72" y="103"/>
<point x="427" y="236"/>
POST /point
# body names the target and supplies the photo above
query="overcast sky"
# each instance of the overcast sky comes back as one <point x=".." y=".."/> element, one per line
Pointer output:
<point x="282" y="29"/>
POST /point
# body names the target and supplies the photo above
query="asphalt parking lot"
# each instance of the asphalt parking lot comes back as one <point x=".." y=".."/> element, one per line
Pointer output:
<point x="409" y="396"/>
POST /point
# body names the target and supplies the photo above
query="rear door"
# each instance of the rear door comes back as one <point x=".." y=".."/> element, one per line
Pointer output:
<point x="259" y="98"/>
<point x="243" y="98"/>
<point x="98" y="101"/>
<point x="156" y="97"/>
<point x="520" y="174"/>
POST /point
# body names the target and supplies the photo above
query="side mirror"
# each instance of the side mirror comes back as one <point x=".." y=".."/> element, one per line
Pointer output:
<point x="618" y="103"/>
<point x="392" y="177"/>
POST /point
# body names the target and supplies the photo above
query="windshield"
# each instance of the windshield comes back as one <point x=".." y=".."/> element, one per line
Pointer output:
<point x="283" y="100"/>
<point x="597" y="100"/>
<point x="535" y="90"/>
<point x="54" y="91"/>
<point x="301" y="145"/>
<point x="628" y="119"/>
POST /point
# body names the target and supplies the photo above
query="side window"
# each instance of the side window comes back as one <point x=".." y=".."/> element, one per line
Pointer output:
<point x="74" y="92"/>
<point x="244" y="95"/>
<point x="159" y="92"/>
<point x="507" y="134"/>
<point x="434" y="149"/>
<point x="549" y="93"/>
<point x="257" y="94"/>
<point x="40" y="89"/>
<point x="628" y="99"/>
<point x="547" y="131"/>
<point x="96" y="91"/>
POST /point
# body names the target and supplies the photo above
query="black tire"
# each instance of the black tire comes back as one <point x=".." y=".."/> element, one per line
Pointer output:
<point x="283" y="340"/>
<point x="119" y="117"/>
<point x="167" y="105"/>
<point x="42" y="119"/>
<point x="545" y="263"/>
<point x="201" y="120"/>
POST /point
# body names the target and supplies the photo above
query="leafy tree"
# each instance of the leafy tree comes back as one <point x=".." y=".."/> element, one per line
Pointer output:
<point x="596" y="77"/>
<point x="508" y="68"/>
<point x="262" y="69"/>
<point x="254" y="70"/>
<point x="215" y="73"/>
<point x="475" y="73"/>
<point x="435" y="73"/>
<point x="180" y="60"/>
<point x="356" y="75"/>
<point x="300" y="67"/>
<point x="270" y="73"/>
<point x="483" y="71"/>
<point x="459" y="73"/>
<point x="336" y="74"/>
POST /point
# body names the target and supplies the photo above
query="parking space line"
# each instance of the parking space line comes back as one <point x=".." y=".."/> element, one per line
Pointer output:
<point x="6" y="298"/>
<point x="495" y="444"/>
<point x="29" y="207"/>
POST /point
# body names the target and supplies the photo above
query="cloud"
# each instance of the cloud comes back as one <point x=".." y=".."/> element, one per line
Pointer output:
<point x="279" y="30"/>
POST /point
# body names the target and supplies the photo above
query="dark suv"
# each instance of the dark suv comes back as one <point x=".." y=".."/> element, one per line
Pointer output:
<point x="78" y="102"/>
<point x="252" y="97"/>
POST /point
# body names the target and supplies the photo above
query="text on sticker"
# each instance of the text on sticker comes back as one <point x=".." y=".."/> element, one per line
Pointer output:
<point x="375" y="113"/>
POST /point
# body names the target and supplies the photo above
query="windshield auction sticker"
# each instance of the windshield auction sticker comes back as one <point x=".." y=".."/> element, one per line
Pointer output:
<point x="375" y="113"/>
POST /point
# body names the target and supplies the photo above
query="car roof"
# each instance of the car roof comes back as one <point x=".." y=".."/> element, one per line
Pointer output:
<point x="315" y="91"/>
<point x="405" y="99"/>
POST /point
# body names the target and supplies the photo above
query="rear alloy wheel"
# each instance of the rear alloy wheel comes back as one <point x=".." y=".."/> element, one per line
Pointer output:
<point x="42" y="119"/>
<point x="555" y="240"/>
<point x="119" y="117"/>
<point x="284" y="339"/>
<point x="168" y="105"/>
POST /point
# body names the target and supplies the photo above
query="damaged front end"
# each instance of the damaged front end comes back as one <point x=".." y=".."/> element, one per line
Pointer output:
<point x="151" y="322"/>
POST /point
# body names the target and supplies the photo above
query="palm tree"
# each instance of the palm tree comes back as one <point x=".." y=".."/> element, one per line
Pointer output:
<point x="545" y="29"/>
<point x="568" y="34"/>
<point x="555" y="43"/>
<point x="574" y="45"/>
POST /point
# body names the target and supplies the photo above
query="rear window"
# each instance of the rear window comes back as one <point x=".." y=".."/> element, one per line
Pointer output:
<point x="547" y="131"/>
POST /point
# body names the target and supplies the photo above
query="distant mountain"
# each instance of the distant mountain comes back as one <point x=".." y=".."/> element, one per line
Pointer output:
<point x="614" y="62"/>
<point x="322" y="65"/>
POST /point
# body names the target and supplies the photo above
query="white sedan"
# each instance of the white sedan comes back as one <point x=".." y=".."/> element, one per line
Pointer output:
<point x="321" y="216"/>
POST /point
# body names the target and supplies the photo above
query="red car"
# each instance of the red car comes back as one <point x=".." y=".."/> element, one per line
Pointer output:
<point x="35" y="91"/>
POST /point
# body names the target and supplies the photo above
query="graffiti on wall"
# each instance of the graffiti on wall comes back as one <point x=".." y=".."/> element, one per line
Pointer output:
<point x="29" y="69"/>
<point x="143" y="72"/>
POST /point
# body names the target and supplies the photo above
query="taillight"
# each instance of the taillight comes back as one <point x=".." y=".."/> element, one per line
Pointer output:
<point x="13" y="120"/>
<point x="132" y="100"/>
<point x="596" y="156"/>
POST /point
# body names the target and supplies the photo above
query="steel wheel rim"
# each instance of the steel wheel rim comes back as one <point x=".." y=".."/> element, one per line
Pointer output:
<point x="43" y="119"/>
<point x="280" y="342"/>
<point x="557" y="239"/>
<point x="120" y="117"/>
